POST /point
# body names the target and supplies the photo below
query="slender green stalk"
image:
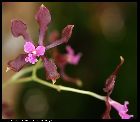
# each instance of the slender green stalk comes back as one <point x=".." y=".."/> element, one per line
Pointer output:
<point x="63" y="88"/>
<point x="24" y="71"/>
<point x="35" y="68"/>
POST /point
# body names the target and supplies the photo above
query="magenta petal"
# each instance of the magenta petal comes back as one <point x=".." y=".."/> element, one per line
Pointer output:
<point x="71" y="57"/>
<point x="69" y="50"/>
<point x="75" y="59"/>
<point x="122" y="109"/>
<point x="125" y="116"/>
<point x="29" y="47"/>
<point x="18" y="63"/>
<point x="40" y="50"/>
<point x="18" y="28"/>
<point x="43" y="18"/>
<point x="31" y="58"/>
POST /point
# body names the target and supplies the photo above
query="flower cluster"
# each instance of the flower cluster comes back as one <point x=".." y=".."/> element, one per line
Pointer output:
<point x="109" y="86"/>
<point x="33" y="51"/>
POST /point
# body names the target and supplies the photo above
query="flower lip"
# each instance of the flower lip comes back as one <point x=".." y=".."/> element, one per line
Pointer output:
<point x="71" y="57"/>
<point x="33" y="52"/>
<point x="122" y="109"/>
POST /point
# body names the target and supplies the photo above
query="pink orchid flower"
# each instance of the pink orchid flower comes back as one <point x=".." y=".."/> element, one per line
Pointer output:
<point x="32" y="51"/>
<point x="122" y="109"/>
<point x="62" y="60"/>
<point x="71" y="57"/>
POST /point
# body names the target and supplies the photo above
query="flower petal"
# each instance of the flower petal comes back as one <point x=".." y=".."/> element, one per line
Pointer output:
<point x="40" y="50"/>
<point x="31" y="58"/>
<point x="66" y="34"/>
<point x="18" y="63"/>
<point x="110" y="82"/>
<point x="51" y="69"/>
<point x="29" y="47"/>
<point x="122" y="109"/>
<point x="125" y="116"/>
<point x="109" y="85"/>
<point x="18" y="28"/>
<point x="71" y="57"/>
<point x="74" y="59"/>
<point x="69" y="50"/>
<point x="43" y="18"/>
<point x="67" y="31"/>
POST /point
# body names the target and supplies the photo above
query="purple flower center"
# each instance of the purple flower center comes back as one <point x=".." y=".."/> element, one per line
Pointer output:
<point x="33" y="52"/>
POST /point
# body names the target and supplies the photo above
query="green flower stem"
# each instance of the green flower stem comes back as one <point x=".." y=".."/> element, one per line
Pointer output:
<point x="16" y="79"/>
<point x="63" y="88"/>
<point x="36" y="67"/>
<point x="24" y="71"/>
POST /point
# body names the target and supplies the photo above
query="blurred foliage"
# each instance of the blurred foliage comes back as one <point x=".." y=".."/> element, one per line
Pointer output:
<point x="100" y="57"/>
